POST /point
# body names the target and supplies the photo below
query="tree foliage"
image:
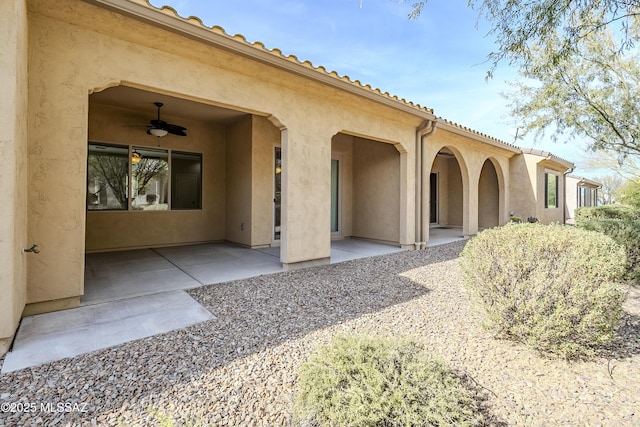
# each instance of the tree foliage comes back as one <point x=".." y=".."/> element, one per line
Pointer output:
<point x="610" y="185"/>
<point x="629" y="194"/>
<point x="627" y="168"/>
<point x="580" y="60"/>
<point x="593" y="94"/>
<point x="518" y="26"/>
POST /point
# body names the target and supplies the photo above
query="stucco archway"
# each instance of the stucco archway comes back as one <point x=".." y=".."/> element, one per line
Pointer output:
<point x="488" y="196"/>
<point x="447" y="189"/>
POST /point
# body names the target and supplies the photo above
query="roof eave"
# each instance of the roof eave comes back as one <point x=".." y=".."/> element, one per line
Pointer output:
<point x="478" y="136"/>
<point x="141" y="10"/>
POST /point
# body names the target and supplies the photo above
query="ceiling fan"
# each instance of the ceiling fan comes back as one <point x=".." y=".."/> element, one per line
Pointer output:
<point x="161" y="128"/>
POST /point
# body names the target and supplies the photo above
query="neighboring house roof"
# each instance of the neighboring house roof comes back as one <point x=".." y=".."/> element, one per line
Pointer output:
<point x="549" y="156"/>
<point x="585" y="181"/>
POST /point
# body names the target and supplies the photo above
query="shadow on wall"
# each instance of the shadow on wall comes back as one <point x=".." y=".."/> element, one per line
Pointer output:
<point x="251" y="316"/>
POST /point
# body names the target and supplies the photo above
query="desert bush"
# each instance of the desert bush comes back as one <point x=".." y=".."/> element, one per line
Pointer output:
<point x="627" y="234"/>
<point x="552" y="287"/>
<point x="365" y="381"/>
<point x="607" y="212"/>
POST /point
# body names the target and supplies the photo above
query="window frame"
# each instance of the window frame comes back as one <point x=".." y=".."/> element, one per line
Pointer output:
<point x="129" y="179"/>
<point x="556" y="176"/>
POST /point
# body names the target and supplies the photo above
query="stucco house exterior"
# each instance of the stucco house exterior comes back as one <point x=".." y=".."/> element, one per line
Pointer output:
<point x="538" y="186"/>
<point x="581" y="192"/>
<point x="277" y="152"/>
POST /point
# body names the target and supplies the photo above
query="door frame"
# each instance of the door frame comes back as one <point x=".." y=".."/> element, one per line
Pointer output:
<point x="434" y="206"/>
<point x="274" y="241"/>
<point x="338" y="233"/>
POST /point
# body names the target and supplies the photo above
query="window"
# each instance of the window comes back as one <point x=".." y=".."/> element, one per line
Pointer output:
<point x="107" y="178"/>
<point x="149" y="179"/>
<point x="551" y="190"/>
<point x="186" y="180"/>
<point x="142" y="179"/>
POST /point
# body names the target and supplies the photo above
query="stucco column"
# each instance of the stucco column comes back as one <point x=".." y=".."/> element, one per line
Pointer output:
<point x="504" y="187"/>
<point x="306" y="189"/>
<point x="407" y="199"/>
<point x="470" y="201"/>
<point x="13" y="155"/>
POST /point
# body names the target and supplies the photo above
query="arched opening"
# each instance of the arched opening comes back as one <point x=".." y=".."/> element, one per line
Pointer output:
<point x="488" y="196"/>
<point x="446" y="190"/>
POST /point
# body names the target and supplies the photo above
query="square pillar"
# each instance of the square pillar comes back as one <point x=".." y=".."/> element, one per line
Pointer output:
<point x="306" y="189"/>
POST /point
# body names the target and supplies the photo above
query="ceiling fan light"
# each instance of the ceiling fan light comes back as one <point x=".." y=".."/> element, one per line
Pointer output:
<point x="158" y="132"/>
<point x="135" y="157"/>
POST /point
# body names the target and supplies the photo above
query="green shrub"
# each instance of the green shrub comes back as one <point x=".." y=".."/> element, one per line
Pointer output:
<point x="607" y="212"/>
<point x="627" y="234"/>
<point x="364" y="381"/>
<point x="552" y="287"/>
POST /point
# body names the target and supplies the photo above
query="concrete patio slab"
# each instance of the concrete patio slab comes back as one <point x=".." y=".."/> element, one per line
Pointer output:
<point x="348" y="249"/>
<point x="139" y="293"/>
<point x="111" y="276"/>
<point x="53" y="336"/>
<point x="439" y="235"/>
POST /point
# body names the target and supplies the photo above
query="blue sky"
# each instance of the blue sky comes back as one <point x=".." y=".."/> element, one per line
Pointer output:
<point x="438" y="61"/>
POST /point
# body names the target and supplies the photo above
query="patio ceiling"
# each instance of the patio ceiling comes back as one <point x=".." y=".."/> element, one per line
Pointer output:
<point x="140" y="102"/>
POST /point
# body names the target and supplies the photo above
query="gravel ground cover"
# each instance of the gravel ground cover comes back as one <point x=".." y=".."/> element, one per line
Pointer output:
<point x="240" y="368"/>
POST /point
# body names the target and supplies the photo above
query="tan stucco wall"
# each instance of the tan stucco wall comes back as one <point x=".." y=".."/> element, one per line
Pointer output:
<point x="13" y="166"/>
<point x="239" y="181"/>
<point x="527" y="192"/>
<point x="342" y="150"/>
<point x="571" y="198"/>
<point x="76" y="48"/>
<point x="112" y="230"/>
<point x="454" y="187"/>
<point x="489" y="197"/>
<point x="524" y="192"/>
<point x="376" y="188"/>
<point x="265" y="137"/>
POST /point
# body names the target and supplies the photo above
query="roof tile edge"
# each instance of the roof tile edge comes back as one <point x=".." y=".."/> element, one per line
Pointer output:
<point x="548" y="154"/>
<point x="490" y="138"/>
<point x="193" y="20"/>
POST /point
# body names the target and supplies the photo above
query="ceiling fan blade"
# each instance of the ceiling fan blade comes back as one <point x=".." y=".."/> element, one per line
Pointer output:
<point x="158" y="124"/>
<point x="175" y="129"/>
